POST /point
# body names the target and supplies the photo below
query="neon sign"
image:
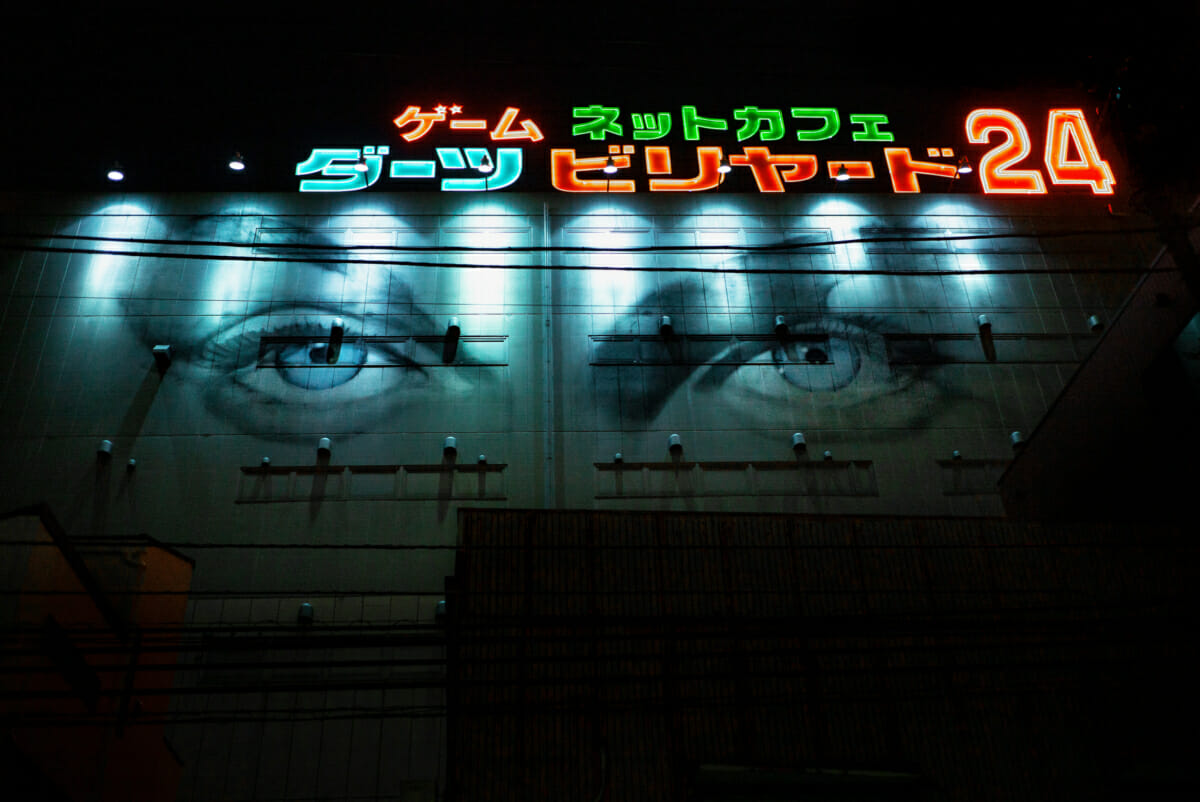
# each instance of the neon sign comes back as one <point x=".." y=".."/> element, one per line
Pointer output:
<point x="761" y="153"/>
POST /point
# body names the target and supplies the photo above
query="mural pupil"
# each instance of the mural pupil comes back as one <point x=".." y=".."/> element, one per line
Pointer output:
<point x="828" y="367"/>
<point x="310" y="366"/>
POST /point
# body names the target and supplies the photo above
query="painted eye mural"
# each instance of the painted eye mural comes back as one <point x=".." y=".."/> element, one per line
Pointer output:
<point x="823" y="360"/>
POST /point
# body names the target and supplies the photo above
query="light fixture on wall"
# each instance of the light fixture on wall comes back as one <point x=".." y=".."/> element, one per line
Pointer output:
<point x="781" y="326"/>
<point x="324" y="448"/>
<point x="453" y="328"/>
<point x="450" y="446"/>
<point x="675" y="445"/>
<point x="237" y="163"/>
<point x="964" y="166"/>
<point x="610" y="167"/>
<point x="1017" y="439"/>
<point x="827" y="456"/>
<point x="131" y="465"/>
<point x="1095" y="324"/>
<point x="481" y="459"/>
<point x="799" y="445"/>
<point x="337" y="332"/>
<point x="305" y="615"/>
<point x="485" y="165"/>
<point x="664" y="326"/>
<point x="116" y="172"/>
<point x="162" y="357"/>
<point x="723" y="166"/>
<point x="985" y="325"/>
<point x="842" y="173"/>
<point x="104" y="450"/>
<point x="618" y="458"/>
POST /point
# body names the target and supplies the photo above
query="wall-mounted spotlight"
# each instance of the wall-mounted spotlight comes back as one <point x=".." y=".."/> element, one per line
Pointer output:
<point x="618" y="458"/>
<point x="799" y="445"/>
<point x="324" y="447"/>
<point x="360" y="166"/>
<point x="481" y="459"/>
<point x="781" y="326"/>
<point x="450" y="447"/>
<point x="453" y="328"/>
<point x="116" y="172"/>
<point x="964" y="166"/>
<point x="237" y="163"/>
<point x="485" y="166"/>
<point x="266" y="462"/>
<point x="337" y="332"/>
<point x="1095" y="324"/>
<point x="1017" y="439"/>
<point x="842" y="173"/>
<point x="610" y="167"/>
<point x="104" y="450"/>
<point x="664" y="326"/>
<point x="723" y="166"/>
<point x="162" y="357"/>
<point x="304" y="616"/>
<point x="827" y="456"/>
<point x="957" y="455"/>
<point x="675" y="445"/>
<point x="131" y="465"/>
<point x="985" y="325"/>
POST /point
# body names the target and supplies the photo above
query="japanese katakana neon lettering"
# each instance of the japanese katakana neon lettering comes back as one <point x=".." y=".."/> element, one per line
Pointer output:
<point x="904" y="170"/>
<point x="412" y="169"/>
<point x="565" y="169"/>
<point x="651" y="126"/>
<point x="753" y="119"/>
<point x="658" y="161"/>
<point x="503" y="131"/>
<point x="421" y="120"/>
<point x="829" y="126"/>
<point x="346" y="169"/>
<point x="693" y="122"/>
<point x="870" y="124"/>
<point x="765" y="167"/>
<point x="1001" y="166"/>
<point x="498" y="175"/>
<point x="604" y="121"/>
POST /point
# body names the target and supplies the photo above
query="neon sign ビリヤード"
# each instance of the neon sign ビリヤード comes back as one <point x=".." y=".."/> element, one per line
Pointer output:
<point x="777" y="148"/>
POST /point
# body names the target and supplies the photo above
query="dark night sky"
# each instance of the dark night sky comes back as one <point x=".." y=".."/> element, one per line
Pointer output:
<point x="170" y="96"/>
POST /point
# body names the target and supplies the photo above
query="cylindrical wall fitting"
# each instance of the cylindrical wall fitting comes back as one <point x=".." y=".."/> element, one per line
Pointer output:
<point x="675" y="444"/>
<point x="1017" y="439"/>
<point x="798" y="442"/>
<point x="324" y="446"/>
<point x="450" y="446"/>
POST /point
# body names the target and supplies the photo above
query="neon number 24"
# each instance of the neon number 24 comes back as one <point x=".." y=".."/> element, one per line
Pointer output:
<point x="995" y="168"/>
<point x="1064" y="127"/>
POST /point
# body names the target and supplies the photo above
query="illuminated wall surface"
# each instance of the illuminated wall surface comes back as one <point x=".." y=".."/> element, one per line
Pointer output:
<point x="559" y="364"/>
